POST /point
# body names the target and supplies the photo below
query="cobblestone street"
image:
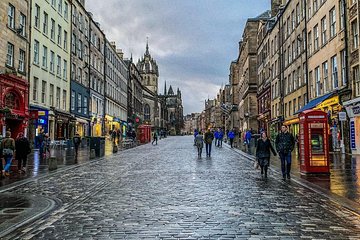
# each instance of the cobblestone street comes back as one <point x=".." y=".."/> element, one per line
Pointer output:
<point x="166" y="192"/>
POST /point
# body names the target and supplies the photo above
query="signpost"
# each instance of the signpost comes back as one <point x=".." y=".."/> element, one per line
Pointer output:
<point x="342" y="119"/>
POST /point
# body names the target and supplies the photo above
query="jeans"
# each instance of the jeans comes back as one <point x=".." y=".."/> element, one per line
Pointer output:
<point x="208" y="149"/>
<point x="22" y="160"/>
<point x="199" y="151"/>
<point x="231" y="142"/>
<point x="285" y="158"/>
<point x="220" y="142"/>
<point x="8" y="160"/>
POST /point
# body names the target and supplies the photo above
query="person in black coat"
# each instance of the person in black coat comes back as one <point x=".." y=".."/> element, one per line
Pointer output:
<point x="22" y="150"/>
<point x="263" y="153"/>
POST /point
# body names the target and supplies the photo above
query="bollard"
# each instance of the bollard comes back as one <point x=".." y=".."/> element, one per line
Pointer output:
<point x="92" y="154"/>
<point x="115" y="148"/>
<point x="52" y="163"/>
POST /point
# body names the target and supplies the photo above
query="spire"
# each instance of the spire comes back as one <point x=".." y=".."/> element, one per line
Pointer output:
<point x="165" y="88"/>
<point x="147" y="46"/>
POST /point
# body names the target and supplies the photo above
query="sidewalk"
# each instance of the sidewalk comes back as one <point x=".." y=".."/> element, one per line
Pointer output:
<point x="343" y="183"/>
<point x="37" y="166"/>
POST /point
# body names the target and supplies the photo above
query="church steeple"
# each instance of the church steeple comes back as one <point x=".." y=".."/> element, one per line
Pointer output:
<point x="147" y="47"/>
<point x="165" y="89"/>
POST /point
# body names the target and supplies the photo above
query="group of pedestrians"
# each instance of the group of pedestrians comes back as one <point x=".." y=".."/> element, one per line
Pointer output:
<point x="10" y="148"/>
<point x="284" y="145"/>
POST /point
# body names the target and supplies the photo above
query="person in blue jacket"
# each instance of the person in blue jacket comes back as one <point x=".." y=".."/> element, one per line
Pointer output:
<point x="220" y="137"/>
<point x="231" y="136"/>
<point x="216" y="136"/>
<point x="196" y="132"/>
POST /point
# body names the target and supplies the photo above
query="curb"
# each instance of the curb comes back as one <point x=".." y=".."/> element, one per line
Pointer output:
<point x="352" y="206"/>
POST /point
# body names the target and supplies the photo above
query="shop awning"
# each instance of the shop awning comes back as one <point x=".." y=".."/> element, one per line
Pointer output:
<point x="313" y="103"/>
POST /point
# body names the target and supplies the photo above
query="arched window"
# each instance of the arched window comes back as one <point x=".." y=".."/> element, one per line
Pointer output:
<point x="146" y="112"/>
<point x="12" y="101"/>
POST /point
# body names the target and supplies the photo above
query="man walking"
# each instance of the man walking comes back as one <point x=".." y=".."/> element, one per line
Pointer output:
<point x="221" y="136"/>
<point x="76" y="141"/>
<point x="284" y="145"/>
<point x="155" y="138"/>
<point x="209" y="137"/>
<point x="231" y="136"/>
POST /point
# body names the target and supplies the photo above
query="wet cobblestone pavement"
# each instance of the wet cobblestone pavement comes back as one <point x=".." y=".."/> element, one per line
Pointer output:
<point x="166" y="192"/>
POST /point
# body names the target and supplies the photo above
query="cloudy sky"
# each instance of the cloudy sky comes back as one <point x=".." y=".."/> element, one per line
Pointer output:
<point x="193" y="41"/>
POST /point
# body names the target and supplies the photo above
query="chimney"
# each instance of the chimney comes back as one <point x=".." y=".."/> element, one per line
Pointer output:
<point x="275" y="6"/>
<point x="113" y="44"/>
<point x="120" y="53"/>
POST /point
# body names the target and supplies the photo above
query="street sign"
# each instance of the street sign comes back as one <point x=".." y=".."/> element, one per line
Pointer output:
<point x="342" y="116"/>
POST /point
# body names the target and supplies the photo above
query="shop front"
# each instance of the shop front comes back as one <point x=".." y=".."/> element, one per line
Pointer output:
<point x="82" y="127"/>
<point x="39" y="121"/>
<point x="96" y="126"/>
<point x="111" y="124"/>
<point x="275" y="126"/>
<point x="353" y="110"/>
<point x="293" y="125"/>
<point x="63" y="120"/>
<point x="14" y="111"/>
<point x="263" y="120"/>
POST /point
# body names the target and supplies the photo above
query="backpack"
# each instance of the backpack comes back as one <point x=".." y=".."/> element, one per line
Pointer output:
<point x="7" y="148"/>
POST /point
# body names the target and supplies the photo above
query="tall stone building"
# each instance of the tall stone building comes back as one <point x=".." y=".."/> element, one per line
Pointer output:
<point x="173" y="115"/>
<point x="14" y="73"/>
<point x="49" y="68"/>
<point x="80" y="67"/>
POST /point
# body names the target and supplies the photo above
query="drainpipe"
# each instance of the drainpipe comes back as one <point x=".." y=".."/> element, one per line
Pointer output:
<point x="306" y="56"/>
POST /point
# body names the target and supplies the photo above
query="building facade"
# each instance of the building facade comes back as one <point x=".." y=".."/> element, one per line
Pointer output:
<point x="135" y="109"/>
<point x="14" y="73"/>
<point x="116" y="73"/>
<point x="49" y="68"/>
<point x="97" y="78"/>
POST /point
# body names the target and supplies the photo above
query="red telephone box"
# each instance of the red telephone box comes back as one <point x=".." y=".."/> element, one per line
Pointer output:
<point x="313" y="142"/>
<point x="144" y="133"/>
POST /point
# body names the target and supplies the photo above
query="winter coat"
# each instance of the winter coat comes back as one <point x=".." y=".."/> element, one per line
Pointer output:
<point x="209" y="137"/>
<point x="248" y="136"/>
<point x="263" y="149"/>
<point x="216" y="135"/>
<point x="22" y="147"/>
<point x="199" y="141"/>
<point x="231" y="135"/>
<point x="221" y="135"/>
<point x="285" y="142"/>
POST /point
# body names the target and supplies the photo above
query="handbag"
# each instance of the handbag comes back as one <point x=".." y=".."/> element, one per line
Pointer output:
<point x="256" y="164"/>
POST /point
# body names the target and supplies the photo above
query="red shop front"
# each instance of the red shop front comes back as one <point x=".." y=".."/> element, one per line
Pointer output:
<point x="14" y="104"/>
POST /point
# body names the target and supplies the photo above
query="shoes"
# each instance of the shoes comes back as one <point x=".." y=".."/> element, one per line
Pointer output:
<point x="288" y="176"/>
<point x="284" y="177"/>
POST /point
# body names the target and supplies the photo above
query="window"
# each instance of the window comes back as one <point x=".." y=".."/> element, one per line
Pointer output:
<point x="60" y="6"/>
<point x="44" y="58"/>
<point x="355" y="34"/>
<point x="312" y="94"/>
<point x="325" y="72"/>
<point x="334" y="72"/>
<point x="323" y="31"/>
<point x="10" y="55"/>
<point x="332" y="16"/>
<point x="315" y="5"/>
<point x="146" y="112"/>
<point x="73" y="43"/>
<point x="85" y="105"/>
<point x="51" y="95"/>
<point x="53" y="3"/>
<point x="72" y="100"/>
<point x="317" y="80"/>
<point x="298" y="17"/>
<point x="73" y="71"/>
<point x="35" y="86"/>
<point x="357" y="80"/>
<point x="65" y="40"/>
<point x="65" y="70"/>
<point x="316" y="37"/>
<point x="11" y="16"/>
<point x="310" y="43"/>
<point x="64" y="100"/>
<point x="52" y="61"/>
<point x="80" y="22"/>
<point x="46" y="23"/>
<point x="343" y="67"/>
<point x="37" y="16"/>
<point x="52" y="31"/>
<point x="66" y="11"/>
<point x="22" y="24"/>
<point x="294" y="105"/>
<point x="22" y="61"/>
<point x="79" y="72"/>
<point x="36" y="52"/>
<point x="43" y="92"/>
<point x="58" y="66"/>
<point x="57" y="97"/>
<point x="79" y="103"/>
<point x="342" y="15"/>
<point x="80" y="49"/>
<point x="59" y="35"/>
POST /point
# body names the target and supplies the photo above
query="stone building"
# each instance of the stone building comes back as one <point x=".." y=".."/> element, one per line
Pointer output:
<point x="14" y="73"/>
<point x="49" y="68"/>
<point x="97" y="78"/>
<point x="116" y="74"/>
<point x="80" y="67"/>
<point x="173" y="109"/>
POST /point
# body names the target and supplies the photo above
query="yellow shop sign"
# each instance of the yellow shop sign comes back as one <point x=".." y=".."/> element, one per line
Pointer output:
<point x="328" y="103"/>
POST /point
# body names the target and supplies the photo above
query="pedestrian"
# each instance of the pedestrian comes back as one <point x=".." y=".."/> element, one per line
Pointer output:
<point x="231" y="136"/>
<point x="7" y="148"/>
<point x="46" y="146"/>
<point x="118" y="135"/>
<point x="196" y="132"/>
<point x="285" y="145"/>
<point x="199" y="142"/>
<point x="155" y="138"/>
<point x="248" y="137"/>
<point x="40" y="139"/>
<point x="22" y="150"/>
<point x="77" y="142"/>
<point x="263" y="148"/>
<point x="113" y="136"/>
<point x="216" y="136"/>
<point x="221" y="136"/>
<point x="209" y="137"/>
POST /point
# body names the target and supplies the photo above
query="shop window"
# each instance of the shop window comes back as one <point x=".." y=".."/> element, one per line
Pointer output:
<point x="12" y="101"/>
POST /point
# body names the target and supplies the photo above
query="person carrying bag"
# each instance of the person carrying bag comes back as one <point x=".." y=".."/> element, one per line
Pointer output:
<point x="8" y="148"/>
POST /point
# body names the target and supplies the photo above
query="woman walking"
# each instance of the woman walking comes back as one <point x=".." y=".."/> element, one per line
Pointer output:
<point x="199" y="142"/>
<point x="263" y="153"/>
<point x="8" y="148"/>
<point x="22" y="149"/>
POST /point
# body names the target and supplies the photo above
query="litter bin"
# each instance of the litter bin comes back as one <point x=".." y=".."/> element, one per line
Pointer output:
<point x="98" y="143"/>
